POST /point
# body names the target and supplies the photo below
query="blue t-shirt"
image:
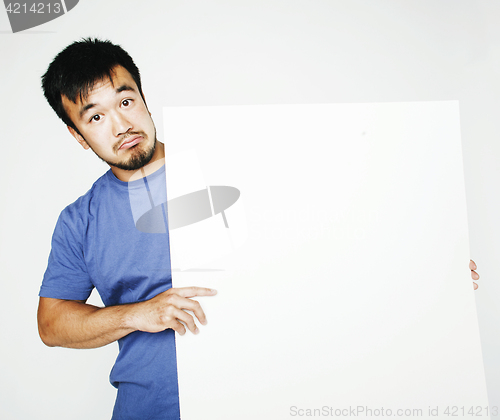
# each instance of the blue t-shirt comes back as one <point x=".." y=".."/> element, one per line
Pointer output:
<point x="102" y="241"/>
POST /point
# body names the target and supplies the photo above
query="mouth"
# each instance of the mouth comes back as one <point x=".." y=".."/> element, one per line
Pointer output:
<point x="130" y="142"/>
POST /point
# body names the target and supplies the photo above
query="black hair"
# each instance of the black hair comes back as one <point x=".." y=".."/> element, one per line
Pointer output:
<point x="76" y="69"/>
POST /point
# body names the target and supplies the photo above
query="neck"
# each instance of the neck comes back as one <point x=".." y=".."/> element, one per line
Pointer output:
<point x="156" y="162"/>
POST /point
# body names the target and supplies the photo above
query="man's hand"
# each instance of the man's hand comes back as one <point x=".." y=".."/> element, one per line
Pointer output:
<point x="168" y="310"/>
<point x="473" y="274"/>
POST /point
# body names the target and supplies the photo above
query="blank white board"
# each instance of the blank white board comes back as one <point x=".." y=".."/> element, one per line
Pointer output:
<point x="349" y="287"/>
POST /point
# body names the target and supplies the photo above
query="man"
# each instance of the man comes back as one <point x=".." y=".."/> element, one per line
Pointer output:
<point x="95" y="88"/>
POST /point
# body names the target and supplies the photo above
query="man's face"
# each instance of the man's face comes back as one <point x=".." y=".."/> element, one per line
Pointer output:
<point x="114" y="122"/>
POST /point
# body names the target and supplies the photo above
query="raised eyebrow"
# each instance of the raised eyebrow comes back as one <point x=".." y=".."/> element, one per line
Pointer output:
<point x="123" y="88"/>
<point x="86" y="108"/>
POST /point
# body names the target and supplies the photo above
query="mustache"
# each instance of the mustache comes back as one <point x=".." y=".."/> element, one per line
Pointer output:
<point x="127" y="135"/>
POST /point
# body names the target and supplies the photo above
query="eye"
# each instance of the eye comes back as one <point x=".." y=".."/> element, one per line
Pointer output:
<point x="95" y="118"/>
<point x="126" y="102"/>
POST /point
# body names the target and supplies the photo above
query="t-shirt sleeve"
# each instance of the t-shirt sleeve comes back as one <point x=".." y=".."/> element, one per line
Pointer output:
<point x="66" y="276"/>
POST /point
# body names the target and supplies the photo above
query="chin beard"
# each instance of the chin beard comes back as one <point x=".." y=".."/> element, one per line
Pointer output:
<point x="139" y="159"/>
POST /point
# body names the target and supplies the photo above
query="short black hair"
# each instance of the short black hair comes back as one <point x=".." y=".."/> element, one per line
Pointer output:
<point x="76" y="69"/>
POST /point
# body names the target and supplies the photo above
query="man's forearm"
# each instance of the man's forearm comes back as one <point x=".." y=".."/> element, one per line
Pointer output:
<point x="75" y="324"/>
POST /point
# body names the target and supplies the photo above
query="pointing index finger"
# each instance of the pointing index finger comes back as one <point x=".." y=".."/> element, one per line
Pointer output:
<point x="189" y="292"/>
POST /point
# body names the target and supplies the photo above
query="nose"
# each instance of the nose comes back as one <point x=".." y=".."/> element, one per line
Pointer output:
<point x="120" y="124"/>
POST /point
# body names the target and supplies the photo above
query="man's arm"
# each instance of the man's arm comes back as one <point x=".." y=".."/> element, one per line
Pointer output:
<point x="76" y="324"/>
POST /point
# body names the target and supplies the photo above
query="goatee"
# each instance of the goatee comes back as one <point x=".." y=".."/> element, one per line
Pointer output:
<point x="139" y="158"/>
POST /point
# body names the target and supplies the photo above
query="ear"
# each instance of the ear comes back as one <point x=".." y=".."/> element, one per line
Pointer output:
<point x="79" y="138"/>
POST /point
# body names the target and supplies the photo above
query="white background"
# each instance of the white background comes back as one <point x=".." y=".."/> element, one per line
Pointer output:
<point x="225" y="53"/>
